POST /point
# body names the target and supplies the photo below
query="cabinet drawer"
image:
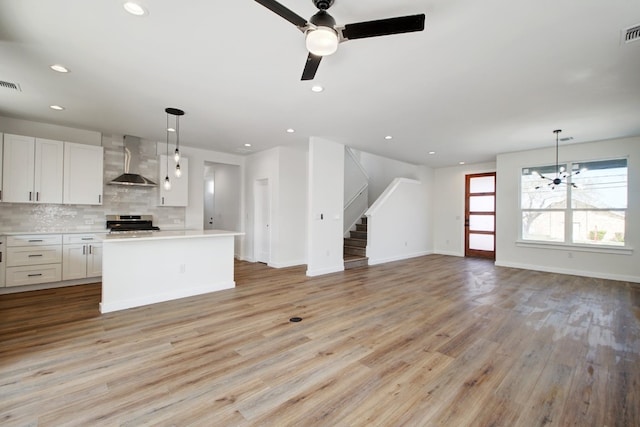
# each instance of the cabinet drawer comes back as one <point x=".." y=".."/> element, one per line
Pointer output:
<point x="72" y="239"/>
<point x="19" y="276"/>
<point x="18" y="256"/>
<point x="34" y="240"/>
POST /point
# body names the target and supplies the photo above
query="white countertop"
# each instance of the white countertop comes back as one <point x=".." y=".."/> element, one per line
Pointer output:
<point x="61" y="231"/>
<point x="161" y="235"/>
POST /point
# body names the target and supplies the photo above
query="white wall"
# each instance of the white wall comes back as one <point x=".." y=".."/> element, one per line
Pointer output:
<point x="326" y="197"/>
<point x="399" y="222"/>
<point x="49" y="131"/>
<point x="382" y="171"/>
<point x="292" y="207"/>
<point x="567" y="259"/>
<point x="448" y="206"/>
<point x="286" y="170"/>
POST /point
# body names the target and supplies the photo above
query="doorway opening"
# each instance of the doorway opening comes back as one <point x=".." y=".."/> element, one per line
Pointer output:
<point x="262" y="215"/>
<point x="221" y="196"/>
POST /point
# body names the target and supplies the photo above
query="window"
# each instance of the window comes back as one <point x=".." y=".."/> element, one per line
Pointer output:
<point x="592" y="199"/>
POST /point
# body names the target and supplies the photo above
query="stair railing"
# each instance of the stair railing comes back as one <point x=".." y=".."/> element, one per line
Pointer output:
<point x="356" y="197"/>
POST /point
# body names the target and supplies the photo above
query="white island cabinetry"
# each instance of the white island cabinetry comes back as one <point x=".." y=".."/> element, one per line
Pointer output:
<point x="153" y="267"/>
<point x="82" y="256"/>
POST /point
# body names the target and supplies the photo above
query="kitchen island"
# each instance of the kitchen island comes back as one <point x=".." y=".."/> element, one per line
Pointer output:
<point x="150" y="267"/>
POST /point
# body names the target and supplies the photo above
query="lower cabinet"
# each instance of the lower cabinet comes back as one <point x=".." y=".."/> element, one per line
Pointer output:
<point x="82" y="256"/>
<point x="33" y="259"/>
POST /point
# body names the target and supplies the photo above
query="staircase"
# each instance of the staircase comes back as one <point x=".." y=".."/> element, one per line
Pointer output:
<point x="355" y="246"/>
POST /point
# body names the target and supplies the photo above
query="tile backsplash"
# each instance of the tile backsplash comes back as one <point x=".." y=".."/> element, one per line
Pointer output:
<point x="26" y="217"/>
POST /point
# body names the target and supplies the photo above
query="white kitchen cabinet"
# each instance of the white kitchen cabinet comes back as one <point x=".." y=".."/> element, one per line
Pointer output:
<point x="3" y="257"/>
<point x="82" y="256"/>
<point x="1" y="156"/>
<point x="32" y="169"/>
<point x="83" y="180"/>
<point x="33" y="259"/>
<point x="179" y="193"/>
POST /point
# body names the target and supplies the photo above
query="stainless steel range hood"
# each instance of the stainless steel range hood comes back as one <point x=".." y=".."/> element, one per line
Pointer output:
<point x="131" y="164"/>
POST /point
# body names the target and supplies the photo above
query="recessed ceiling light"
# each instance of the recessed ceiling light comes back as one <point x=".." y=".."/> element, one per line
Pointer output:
<point x="59" y="68"/>
<point x="317" y="88"/>
<point x="171" y="130"/>
<point x="388" y="137"/>
<point x="431" y="153"/>
<point x="247" y="145"/>
<point x="290" y="130"/>
<point x="56" y="107"/>
<point x="461" y="163"/>
<point x="134" y="8"/>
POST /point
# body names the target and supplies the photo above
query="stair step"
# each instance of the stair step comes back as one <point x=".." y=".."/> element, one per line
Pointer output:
<point x="355" y="250"/>
<point x="361" y="227"/>
<point x="363" y="220"/>
<point x="353" y="261"/>
<point x="360" y="243"/>
<point x="358" y="235"/>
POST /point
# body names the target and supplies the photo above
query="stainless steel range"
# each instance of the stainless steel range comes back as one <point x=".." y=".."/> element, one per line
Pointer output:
<point x="130" y="224"/>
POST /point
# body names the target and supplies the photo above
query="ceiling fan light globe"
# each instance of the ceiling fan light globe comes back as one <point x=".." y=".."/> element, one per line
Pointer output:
<point x="322" y="41"/>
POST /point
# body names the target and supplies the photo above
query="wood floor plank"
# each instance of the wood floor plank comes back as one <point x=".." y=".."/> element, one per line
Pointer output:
<point x="433" y="340"/>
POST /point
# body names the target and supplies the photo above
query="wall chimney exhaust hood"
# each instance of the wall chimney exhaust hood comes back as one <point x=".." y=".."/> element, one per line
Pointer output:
<point x="131" y="164"/>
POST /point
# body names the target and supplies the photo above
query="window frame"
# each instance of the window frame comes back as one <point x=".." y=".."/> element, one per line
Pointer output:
<point x="568" y="213"/>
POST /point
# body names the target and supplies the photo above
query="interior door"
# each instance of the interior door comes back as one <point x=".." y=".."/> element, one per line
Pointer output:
<point x="262" y="241"/>
<point x="480" y="215"/>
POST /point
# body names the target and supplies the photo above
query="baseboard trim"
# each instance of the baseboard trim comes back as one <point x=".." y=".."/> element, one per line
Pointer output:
<point x="287" y="264"/>
<point x="375" y="261"/>
<point x="326" y="270"/>
<point x="582" y="273"/>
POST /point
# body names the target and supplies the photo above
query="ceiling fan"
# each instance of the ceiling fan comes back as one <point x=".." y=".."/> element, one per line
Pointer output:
<point x="323" y="35"/>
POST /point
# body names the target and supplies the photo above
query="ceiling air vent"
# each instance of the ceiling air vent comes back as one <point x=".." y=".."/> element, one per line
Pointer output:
<point x="9" y="85"/>
<point x="631" y="34"/>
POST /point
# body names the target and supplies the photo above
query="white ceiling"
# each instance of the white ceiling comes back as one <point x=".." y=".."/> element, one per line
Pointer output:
<point x="485" y="77"/>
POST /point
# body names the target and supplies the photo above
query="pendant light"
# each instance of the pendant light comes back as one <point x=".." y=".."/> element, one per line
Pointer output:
<point x="167" y="182"/>
<point x="177" y="113"/>
<point x="561" y="173"/>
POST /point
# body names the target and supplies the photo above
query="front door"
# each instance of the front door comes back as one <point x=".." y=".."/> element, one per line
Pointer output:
<point x="480" y="215"/>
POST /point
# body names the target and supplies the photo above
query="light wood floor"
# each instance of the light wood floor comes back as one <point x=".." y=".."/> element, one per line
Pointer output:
<point x="433" y="340"/>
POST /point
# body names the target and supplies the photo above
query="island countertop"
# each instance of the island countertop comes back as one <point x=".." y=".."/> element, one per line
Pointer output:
<point x="162" y="235"/>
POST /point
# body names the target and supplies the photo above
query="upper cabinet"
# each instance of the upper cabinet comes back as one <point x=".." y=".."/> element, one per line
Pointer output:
<point x="1" y="150"/>
<point x="32" y="170"/>
<point x="179" y="193"/>
<point x="83" y="166"/>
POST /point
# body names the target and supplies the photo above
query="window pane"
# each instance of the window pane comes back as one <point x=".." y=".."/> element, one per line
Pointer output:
<point x="482" y="184"/>
<point x="545" y="226"/>
<point x="599" y="227"/>
<point x="481" y="222"/>
<point x="600" y="185"/>
<point x="481" y="242"/>
<point x="481" y="203"/>
<point x="537" y="190"/>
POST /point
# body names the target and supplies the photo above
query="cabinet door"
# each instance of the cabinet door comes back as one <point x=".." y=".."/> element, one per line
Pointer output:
<point x="49" y="156"/>
<point x="18" y="168"/>
<point x="179" y="193"/>
<point x="74" y="261"/>
<point x="94" y="260"/>
<point x="1" y="150"/>
<point x="3" y="252"/>
<point x="82" y="174"/>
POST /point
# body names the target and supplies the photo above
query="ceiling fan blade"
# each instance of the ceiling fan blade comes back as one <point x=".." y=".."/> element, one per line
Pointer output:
<point x="384" y="27"/>
<point x="287" y="14"/>
<point x="310" y="68"/>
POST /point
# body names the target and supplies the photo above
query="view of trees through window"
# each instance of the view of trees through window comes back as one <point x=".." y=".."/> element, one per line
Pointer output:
<point x="592" y="199"/>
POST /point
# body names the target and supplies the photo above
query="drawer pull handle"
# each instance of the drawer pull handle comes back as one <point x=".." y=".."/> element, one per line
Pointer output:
<point x="35" y="240"/>
<point x="34" y="255"/>
<point x="87" y="238"/>
<point x="35" y="275"/>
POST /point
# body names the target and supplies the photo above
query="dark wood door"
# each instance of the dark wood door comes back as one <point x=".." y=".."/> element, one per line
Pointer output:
<point x="480" y="215"/>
